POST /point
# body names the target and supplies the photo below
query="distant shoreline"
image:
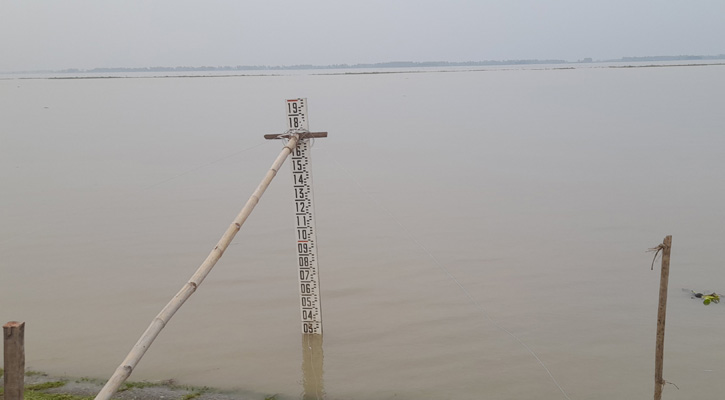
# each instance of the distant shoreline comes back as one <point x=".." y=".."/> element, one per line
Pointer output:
<point x="345" y="71"/>
<point x="382" y="65"/>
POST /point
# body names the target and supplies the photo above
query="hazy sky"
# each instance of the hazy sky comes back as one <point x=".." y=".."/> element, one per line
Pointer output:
<point x="55" y="34"/>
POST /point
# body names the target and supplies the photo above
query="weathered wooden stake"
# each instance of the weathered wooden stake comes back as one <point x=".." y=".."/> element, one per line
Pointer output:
<point x="312" y="367"/>
<point x="14" y="360"/>
<point x="139" y="349"/>
<point x="661" y="314"/>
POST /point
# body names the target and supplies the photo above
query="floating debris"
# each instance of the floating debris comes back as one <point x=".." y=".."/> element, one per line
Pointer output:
<point x="706" y="298"/>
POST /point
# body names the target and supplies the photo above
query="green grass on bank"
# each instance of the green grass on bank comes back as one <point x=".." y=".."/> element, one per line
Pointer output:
<point x="37" y="391"/>
<point x="33" y="395"/>
<point x="34" y="392"/>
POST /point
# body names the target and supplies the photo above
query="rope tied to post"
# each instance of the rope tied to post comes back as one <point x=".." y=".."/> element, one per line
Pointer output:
<point x="301" y="134"/>
<point x="660" y="248"/>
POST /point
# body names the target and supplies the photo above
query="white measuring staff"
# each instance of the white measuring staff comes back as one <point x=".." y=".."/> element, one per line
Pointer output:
<point x="308" y="272"/>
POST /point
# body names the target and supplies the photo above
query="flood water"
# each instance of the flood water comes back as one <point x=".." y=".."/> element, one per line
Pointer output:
<point x="481" y="234"/>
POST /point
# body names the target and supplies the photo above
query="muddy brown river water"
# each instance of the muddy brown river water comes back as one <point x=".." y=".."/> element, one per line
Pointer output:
<point x="482" y="234"/>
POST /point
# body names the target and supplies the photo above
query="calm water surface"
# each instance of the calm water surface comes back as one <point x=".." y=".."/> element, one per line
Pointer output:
<point x="467" y="221"/>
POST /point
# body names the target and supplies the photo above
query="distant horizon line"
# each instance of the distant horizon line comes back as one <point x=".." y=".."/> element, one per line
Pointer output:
<point x="387" y="64"/>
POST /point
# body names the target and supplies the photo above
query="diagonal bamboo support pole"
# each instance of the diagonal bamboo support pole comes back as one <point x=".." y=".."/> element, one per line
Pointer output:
<point x="139" y="349"/>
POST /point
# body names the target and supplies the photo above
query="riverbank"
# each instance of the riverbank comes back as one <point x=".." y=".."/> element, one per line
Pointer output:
<point x="41" y="386"/>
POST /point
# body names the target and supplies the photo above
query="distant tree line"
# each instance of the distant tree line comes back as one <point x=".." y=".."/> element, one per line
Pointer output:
<point x="391" y="64"/>
<point x="672" y="58"/>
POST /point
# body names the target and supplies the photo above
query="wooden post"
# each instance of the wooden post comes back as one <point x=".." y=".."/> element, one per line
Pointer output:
<point x="661" y="314"/>
<point x="14" y="360"/>
<point x="312" y="367"/>
<point x="139" y="349"/>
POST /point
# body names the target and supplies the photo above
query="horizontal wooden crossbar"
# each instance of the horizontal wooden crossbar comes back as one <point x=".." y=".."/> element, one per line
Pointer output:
<point x="303" y="135"/>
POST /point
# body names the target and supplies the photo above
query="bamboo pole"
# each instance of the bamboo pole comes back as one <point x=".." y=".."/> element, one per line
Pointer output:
<point x="139" y="349"/>
<point x="661" y="314"/>
<point x="14" y="359"/>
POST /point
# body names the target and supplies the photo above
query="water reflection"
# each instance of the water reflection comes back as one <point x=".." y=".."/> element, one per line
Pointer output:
<point x="312" y="356"/>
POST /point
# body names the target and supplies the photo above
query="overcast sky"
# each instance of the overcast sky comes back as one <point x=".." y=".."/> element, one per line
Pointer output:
<point x="40" y="35"/>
